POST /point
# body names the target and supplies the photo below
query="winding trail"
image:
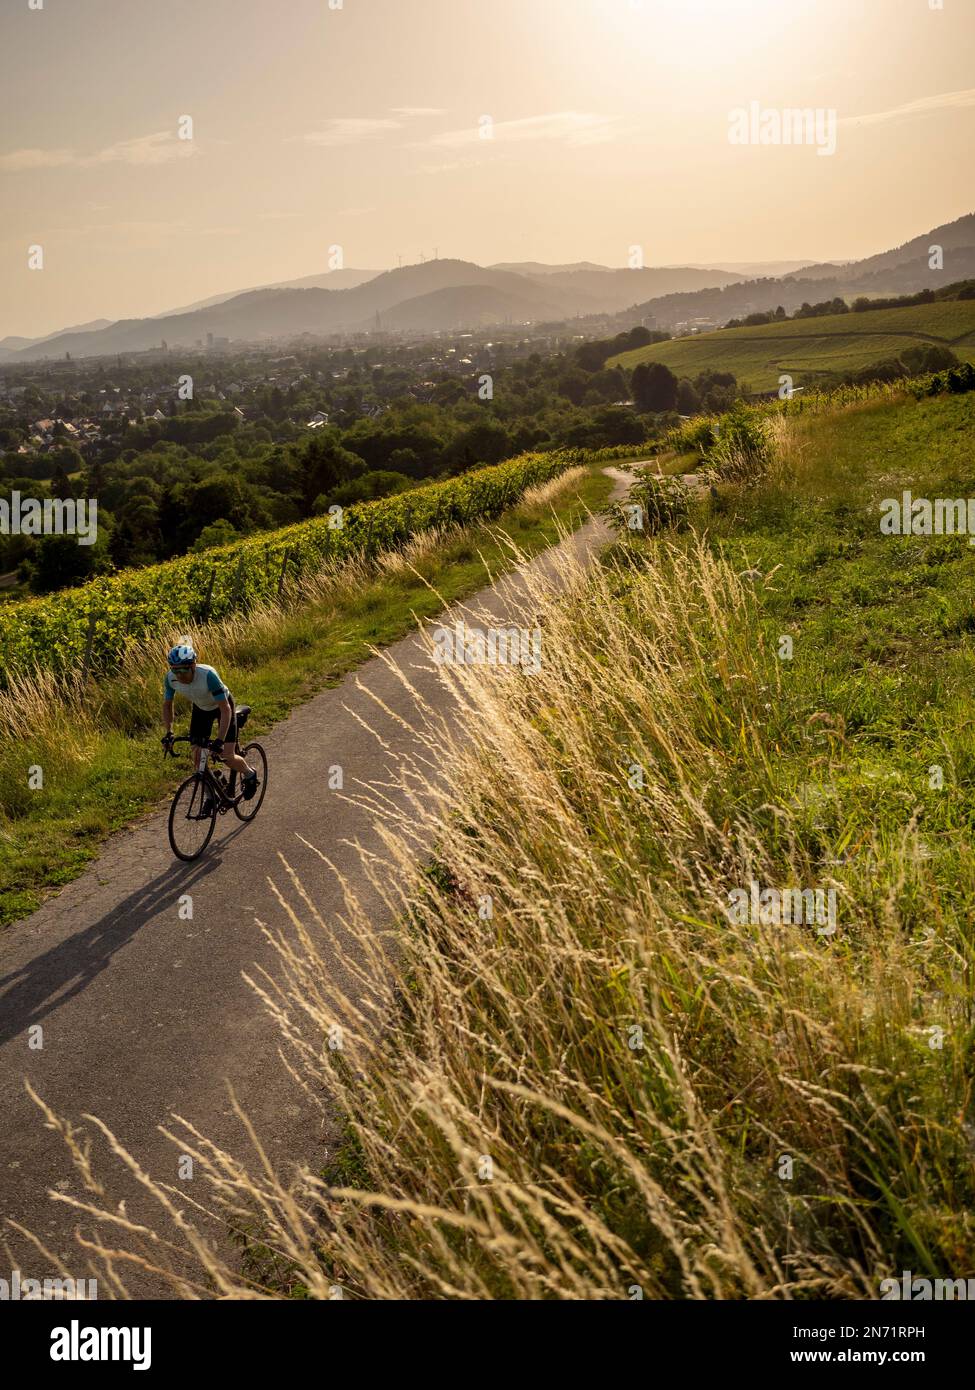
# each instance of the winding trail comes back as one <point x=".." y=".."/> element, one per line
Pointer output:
<point x="145" y="1013"/>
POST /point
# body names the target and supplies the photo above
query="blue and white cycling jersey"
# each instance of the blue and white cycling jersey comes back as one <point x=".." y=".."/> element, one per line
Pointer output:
<point x="206" y="690"/>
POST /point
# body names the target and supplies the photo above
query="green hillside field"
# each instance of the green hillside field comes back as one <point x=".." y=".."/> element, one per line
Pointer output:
<point x="807" y="349"/>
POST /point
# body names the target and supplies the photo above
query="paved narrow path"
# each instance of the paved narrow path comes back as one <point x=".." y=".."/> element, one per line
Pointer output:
<point x="145" y="1013"/>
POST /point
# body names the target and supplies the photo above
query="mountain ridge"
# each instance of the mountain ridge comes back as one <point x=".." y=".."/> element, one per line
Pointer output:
<point x="448" y="293"/>
<point x="904" y="269"/>
<point x="274" y="312"/>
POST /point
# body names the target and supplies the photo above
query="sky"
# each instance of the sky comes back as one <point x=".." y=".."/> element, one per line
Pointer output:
<point x="361" y="124"/>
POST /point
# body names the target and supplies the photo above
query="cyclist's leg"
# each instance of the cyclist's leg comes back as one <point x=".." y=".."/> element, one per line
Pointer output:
<point x="201" y="730"/>
<point x="231" y="754"/>
<point x="240" y="765"/>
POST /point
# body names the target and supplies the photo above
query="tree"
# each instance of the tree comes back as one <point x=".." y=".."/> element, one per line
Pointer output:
<point x="530" y="436"/>
<point x="591" y="356"/>
<point x="66" y="459"/>
<point x="448" y="393"/>
<point x="136" y="539"/>
<point x="217" y="533"/>
<point x="637" y="337"/>
<point x="61" y="483"/>
<point x="406" y="462"/>
<point x="654" y="387"/>
<point x="615" y="424"/>
<point x="12" y="437"/>
<point x="688" y="400"/>
<point x="381" y="483"/>
<point x="322" y="464"/>
<point x="928" y="357"/>
<point x="57" y="562"/>
<point x="95" y="478"/>
<point x="480" y="444"/>
<point x="572" y="385"/>
<point x="608" y="385"/>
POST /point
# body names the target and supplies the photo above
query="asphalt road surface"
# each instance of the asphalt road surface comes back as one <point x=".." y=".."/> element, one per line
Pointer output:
<point x="145" y="1013"/>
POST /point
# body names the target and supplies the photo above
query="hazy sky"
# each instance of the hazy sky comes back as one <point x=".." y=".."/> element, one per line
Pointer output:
<point x="359" y="126"/>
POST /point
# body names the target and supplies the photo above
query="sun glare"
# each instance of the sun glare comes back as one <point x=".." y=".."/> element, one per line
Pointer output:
<point x="696" y="34"/>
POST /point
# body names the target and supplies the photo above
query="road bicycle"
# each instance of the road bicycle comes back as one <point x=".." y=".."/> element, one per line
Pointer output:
<point x="210" y="792"/>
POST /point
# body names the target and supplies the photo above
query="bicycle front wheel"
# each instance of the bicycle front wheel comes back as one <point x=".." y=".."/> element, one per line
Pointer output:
<point x="189" y="828"/>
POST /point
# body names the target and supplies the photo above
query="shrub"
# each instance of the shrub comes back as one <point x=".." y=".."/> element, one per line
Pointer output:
<point x="743" y="449"/>
<point x="694" y="437"/>
<point x="663" y="504"/>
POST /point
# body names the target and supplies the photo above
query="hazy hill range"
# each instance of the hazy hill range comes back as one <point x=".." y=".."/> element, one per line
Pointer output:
<point x="479" y="295"/>
<point x="747" y="270"/>
<point x="954" y="237"/>
<point x="539" y="268"/>
<point x="328" y="280"/>
<point x="903" y="270"/>
<point x="498" y="296"/>
<point x="531" y="301"/>
<point x="757" y="270"/>
<point x="450" y="294"/>
<point x="474" y="306"/>
<point x="15" y="344"/>
<point x="609" y="291"/>
<point x="279" y="312"/>
<point x="612" y="289"/>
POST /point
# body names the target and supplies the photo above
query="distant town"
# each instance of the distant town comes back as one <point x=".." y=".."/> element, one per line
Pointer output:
<point x="92" y="402"/>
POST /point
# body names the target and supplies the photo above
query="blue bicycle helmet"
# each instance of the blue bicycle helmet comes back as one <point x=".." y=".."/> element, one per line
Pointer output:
<point x="181" y="655"/>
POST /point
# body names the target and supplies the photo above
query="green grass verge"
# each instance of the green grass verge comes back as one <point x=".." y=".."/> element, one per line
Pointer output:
<point x="877" y="692"/>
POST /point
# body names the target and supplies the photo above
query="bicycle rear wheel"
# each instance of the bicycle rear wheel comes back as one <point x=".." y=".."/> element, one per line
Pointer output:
<point x="255" y="755"/>
<point x="189" y="829"/>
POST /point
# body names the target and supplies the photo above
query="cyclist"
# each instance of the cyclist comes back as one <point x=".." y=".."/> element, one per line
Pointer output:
<point x="211" y="701"/>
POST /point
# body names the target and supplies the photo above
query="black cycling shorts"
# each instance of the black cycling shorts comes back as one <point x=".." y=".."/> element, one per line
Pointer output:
<point x="202" y="723"/>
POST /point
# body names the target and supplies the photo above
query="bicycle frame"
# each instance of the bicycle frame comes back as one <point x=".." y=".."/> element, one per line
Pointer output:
<point x="211" y="793"/>
<point x="224" y="793"/>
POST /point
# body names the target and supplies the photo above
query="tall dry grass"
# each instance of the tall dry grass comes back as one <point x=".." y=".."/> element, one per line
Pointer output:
<point x="563" y="1070"/>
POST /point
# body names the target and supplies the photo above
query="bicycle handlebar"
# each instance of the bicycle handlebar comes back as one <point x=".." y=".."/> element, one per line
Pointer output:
<point x="213" y="745"/>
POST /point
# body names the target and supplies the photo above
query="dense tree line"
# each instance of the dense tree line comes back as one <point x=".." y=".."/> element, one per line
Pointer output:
<point x="961" y="289"/>
<point x="911" y="362"/>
